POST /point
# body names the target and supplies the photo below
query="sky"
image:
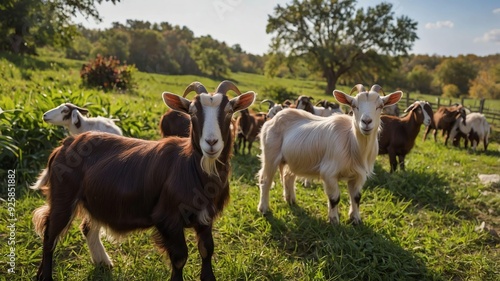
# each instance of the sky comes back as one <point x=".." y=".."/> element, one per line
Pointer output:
<point x="445" y="27"/>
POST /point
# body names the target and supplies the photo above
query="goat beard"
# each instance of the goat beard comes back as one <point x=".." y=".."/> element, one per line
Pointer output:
<point x="209" y="165"/>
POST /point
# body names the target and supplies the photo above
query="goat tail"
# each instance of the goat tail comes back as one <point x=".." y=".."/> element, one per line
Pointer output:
<point x="42" y="180"/>
<point x="40" y="216"/>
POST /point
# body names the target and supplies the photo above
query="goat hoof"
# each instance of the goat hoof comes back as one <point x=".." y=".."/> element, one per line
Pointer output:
<point x="355" y="221"/>
<point x="334" y="221"/>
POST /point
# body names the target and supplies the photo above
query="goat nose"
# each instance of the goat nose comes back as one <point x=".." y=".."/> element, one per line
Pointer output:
<point x="366" y="121"/>
<point x="211" y="142"/>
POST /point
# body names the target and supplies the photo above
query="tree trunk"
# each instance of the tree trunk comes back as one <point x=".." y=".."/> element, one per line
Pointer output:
<point x="331" y="80"/>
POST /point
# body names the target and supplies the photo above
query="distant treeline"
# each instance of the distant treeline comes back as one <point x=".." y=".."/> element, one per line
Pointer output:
<point x="164" y="48"/>
<point x="171" y="49"/>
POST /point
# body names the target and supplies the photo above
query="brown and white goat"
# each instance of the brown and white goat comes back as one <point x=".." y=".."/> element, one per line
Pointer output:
<point x="398" y="135"/>
<point x="338" y="147"/>
<point x="125" y="184"/>
<point x="444" y="119"/>
<point x="249" y="125"/>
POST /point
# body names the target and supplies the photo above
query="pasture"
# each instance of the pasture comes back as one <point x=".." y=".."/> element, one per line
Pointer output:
<point x="421" y="224"/>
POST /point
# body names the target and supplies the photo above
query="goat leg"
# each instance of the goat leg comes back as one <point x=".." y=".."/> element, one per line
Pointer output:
<point x="206" y="249"/>
<point x="401" y="159"/>
<point x="174" y="242"/>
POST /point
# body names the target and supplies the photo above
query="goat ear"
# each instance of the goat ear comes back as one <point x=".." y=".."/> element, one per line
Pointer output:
<point x="392" y="98"/>
<point x="75" y="118"/>
<point x="242" y="101"/>
<point x="409" y="108"/>
<point x="176" y="102"/>
<point x="342" y="97"/>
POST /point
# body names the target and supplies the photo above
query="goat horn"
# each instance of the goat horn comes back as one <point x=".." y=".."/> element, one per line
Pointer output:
<point x="271" y="103"/>
<point x="377" y="88"/>
<point x="359" y="88"/>
<point x="225" y="86"/>
<point x="195" y="86"/>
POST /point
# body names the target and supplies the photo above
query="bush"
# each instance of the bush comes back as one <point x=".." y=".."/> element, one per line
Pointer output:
<point x="107" y="73"/>
<point x="451" y="91"/>
<point x="279" y="93"/>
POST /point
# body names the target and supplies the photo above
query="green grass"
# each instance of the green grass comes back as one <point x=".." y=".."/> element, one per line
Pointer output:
<point x="418" y="225"/>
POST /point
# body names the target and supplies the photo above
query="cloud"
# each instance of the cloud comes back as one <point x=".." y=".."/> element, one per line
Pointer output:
<point x="496" y="11"/>
<point x="439" y="24"/>
<point x="492" y="36"/>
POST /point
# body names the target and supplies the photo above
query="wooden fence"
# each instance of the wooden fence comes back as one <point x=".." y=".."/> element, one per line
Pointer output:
<point x="491" y="113"/>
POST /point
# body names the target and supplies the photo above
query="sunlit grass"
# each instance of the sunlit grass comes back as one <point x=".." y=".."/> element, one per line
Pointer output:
<point x="418" y="225"/>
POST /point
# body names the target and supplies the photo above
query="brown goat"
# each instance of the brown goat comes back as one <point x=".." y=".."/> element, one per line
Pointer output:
<point x="398" y="134"/>
<point x="444" y="119"/>
<point x="174" y="123"/>
<point x="249" y="125"/>
<point x="125" y="184"/>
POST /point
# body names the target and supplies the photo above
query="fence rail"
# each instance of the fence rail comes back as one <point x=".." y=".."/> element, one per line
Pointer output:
<point x="474" y="105"/>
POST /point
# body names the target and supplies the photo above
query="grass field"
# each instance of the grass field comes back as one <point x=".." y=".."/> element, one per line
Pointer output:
<point x="418" y="225"/>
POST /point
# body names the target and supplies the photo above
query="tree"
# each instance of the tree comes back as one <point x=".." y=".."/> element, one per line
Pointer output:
<point x="209" y="57"/>
<point x="334" y="36"/>
<point x="486" y="84"/>
<point x="458" y="71"/>
<point x="27" y="24"/>
<point x="420" y="79"/>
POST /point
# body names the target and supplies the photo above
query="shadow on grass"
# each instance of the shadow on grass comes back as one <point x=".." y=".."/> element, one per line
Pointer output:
<point x="245" y="168"/>
<point x="343" y="252"/>
<point x="424" y="189"/>
<point x="101" y="273"/>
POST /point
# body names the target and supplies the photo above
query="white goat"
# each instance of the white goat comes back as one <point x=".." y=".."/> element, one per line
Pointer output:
<point x="477" y="129"/>
<point x="331" y="148"/>
<point x="73" y="118"/>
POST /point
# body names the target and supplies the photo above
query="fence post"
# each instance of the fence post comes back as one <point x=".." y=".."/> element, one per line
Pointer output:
<point x="481" y="105"/>
<point x="408" y="100"/>
<point x="438" y="101"/>
<point x="462" y="101"/>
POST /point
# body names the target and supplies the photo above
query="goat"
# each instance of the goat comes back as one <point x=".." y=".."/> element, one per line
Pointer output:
<point x="331" y="148"/>
<point x="477" y="129"/>
<point x="304" y="103"/>
<point x="249" y="125"/>
<point x="444" y="118"/>
<point x="326" y="108"/>
<point x="273" y="108"/>
<point x="125" y="184"/>
<point x="392" y="110"/>
<point x="174" y="123"/>
<point x="398" y="135"/>
<point x="74" y="119"/>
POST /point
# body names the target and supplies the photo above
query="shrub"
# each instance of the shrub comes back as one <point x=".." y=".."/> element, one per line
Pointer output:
<point x="279" y="93"/>
<point x="451" y="91"/>
<point x="107" y="73"/>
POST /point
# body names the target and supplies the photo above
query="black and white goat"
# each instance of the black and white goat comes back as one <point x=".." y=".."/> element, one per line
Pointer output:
<point x="398" y="134"/>
<point x="338" y="147"/>
<point x="305" y="103"/>
<point x="74" y="119"/>
<point x="125" y="184"/>
<point x="477" y="129"/>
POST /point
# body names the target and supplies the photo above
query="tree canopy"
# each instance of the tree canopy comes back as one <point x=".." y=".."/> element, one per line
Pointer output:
<point x="27" y="24"/>
<point x="334" y="36"/>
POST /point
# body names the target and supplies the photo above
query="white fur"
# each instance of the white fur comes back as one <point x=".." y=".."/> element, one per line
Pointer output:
<point x="55" y="116"/>
<point x="331" y="148"/>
